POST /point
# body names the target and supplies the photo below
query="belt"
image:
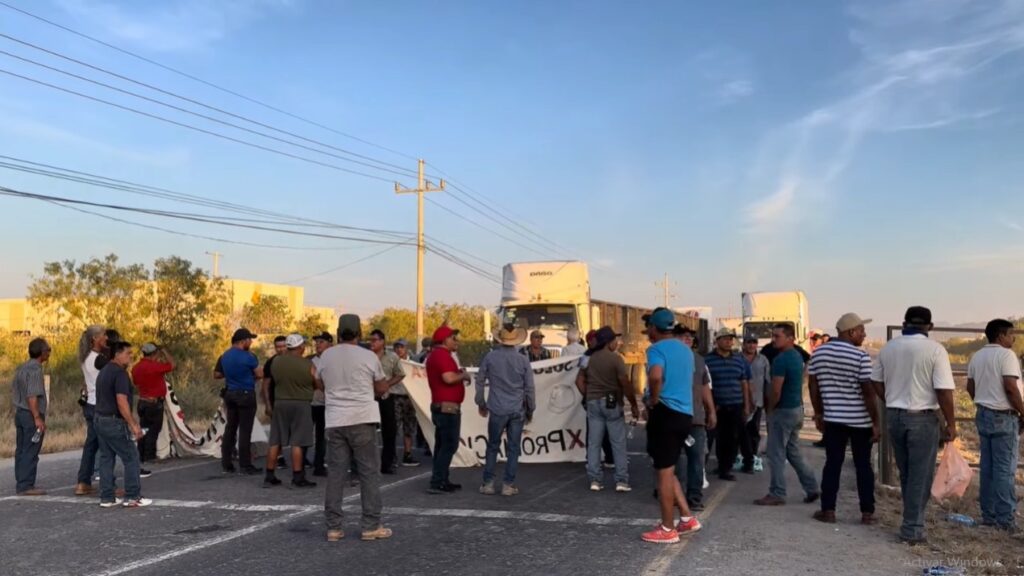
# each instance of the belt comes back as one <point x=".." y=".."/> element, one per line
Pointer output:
<point x="112" y="416"/>
<point x="1010" y="412"/>
<point x="141" y="399"/>
<point x="241" y="390"/>
<point x="905" y="411"/>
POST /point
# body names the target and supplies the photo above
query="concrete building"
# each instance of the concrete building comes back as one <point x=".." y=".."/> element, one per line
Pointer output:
<point x="18" y="315"/>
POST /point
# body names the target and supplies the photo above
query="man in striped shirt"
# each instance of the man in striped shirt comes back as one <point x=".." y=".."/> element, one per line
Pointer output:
<point x="731" y="376"/>
<point x="845" y="413"/>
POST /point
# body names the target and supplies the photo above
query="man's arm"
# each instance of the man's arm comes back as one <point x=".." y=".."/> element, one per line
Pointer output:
<point x="776" y="392"/>
<point x="456" y="378"/>
<point x="265" y="395"/>
<point x="481" y="379"/>
<point x="531" y="393"/>
<point x="168" y="359"/>
<point x="581" y="382"/>
<point x="1012" y="394"/>
<point x="748" y="404"/>
<point x="948" y="411"/>
<point x="819" y="407"/>
<point x="37" y="417"/>
<point x="871" y="403"/>
<point x="971" y="389"/>
<point x="710" y="415"/>
<point x="655" y="380"/>
<point x="626" y="385"/>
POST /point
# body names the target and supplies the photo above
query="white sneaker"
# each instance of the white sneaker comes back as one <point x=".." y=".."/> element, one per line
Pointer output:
<point x="622" y="487"/>
<point x="596" y="487"/>
<point x="117" y="502"/>
<point x="137" y="503"/>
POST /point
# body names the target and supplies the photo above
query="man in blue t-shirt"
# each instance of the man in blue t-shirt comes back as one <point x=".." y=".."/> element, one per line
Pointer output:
<point x="785" y="407"/>
<point x="239" y="368"/>
<point x="670" y="368"/>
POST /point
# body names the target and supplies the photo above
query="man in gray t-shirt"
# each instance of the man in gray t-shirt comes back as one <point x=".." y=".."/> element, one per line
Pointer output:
<point x="28" y="394"/>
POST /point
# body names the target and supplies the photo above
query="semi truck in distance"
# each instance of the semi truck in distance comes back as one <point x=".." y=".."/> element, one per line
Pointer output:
<point x="555" y="296"/>
<point x="763" y="310"/>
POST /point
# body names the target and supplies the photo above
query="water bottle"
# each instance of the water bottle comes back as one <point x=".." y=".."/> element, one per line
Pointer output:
<point x="37" y="437"/>
<point x="962" y="519"/>
<point x="690" y="441"/>
<point x="944" y="571"/>
<point x="629" y="433"/>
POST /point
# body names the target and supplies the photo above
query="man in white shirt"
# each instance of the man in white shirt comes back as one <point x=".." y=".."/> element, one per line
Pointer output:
<point x="352" y="377"/>
<point x="994" y="383"/>
<point x="573" y="346"/>
<point x="914" y="376"/>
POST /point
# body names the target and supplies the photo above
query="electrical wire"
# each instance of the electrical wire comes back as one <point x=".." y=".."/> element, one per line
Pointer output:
<point x="345" y="265"/>
<point x="482" y="227"/>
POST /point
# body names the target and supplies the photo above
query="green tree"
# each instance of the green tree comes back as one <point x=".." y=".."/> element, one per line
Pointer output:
<point x="311" y="325"/>
<point x="95" y="292"/>
<point x="191" y="308"/>
<point x="268" y="315"/>
<point x="401" y="322"/>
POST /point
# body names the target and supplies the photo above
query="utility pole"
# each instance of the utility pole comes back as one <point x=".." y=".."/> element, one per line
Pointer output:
<point x="667" y="296"/>
<point x="216" y="263"/>
<point x="421" y="186"/>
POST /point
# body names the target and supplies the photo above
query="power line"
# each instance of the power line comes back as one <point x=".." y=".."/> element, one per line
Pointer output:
<point x="347" y="264"/>
<point x="204" y="82"/>
<point x="403" y="172"/>
<point x="482" y="227"/>
<point x="195" y="128"/>
<point x="406" y="171"/>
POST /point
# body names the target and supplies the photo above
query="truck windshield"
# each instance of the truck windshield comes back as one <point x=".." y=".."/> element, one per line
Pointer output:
<point x="541" y="315"/>
<point x="760" y="330"/>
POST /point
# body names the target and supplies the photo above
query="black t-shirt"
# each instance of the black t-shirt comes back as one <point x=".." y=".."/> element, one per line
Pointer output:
<point x="101" y="360"/>
<point x="269" y="376"/>
<point x="112" y="380"/>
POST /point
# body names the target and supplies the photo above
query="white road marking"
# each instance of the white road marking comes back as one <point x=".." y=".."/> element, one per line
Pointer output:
<point x="236" y="534"/>
<point x="660" y="565"/>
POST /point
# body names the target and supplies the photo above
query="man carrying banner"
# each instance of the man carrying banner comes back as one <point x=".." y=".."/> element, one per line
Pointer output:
<point x="148" y="376"/>
<point x="670" y="378"/>
<point x="447" y="391"/>
<point x="510" y="403"/>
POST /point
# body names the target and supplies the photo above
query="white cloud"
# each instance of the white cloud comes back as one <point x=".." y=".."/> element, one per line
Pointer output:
<point x="178" y="25"/>
<point x="922" y="66"/>
<point x="724" y="73"/>
<point x="734" y="90"/>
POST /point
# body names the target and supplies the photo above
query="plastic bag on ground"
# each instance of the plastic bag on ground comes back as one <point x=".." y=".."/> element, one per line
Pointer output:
<point x="953" y="476"/>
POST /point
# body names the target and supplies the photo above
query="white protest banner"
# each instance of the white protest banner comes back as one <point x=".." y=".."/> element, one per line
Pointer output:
<point x="177" y="440"/>
<point x="556" y="433"/>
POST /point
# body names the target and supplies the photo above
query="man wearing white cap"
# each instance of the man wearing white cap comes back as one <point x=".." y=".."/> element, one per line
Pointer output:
<point x="845" y="413"/>
<point x="291" y="423"/>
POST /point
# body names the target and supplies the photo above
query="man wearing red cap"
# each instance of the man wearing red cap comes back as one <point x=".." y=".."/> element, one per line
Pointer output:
<point x="447" y="391"/>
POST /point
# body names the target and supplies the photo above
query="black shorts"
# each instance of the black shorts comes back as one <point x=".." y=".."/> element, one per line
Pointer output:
<point x="666" y="435"/>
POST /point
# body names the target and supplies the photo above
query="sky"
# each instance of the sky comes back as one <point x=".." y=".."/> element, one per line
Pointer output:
<point x="868" y="153"/>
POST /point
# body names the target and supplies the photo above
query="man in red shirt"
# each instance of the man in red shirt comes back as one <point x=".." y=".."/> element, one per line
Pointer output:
<point x="447" y="391"/>
<point x="148" y="376"/>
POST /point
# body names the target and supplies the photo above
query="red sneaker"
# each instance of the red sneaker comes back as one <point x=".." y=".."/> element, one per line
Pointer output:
<point x="661" y="535"/>
<point x="688" y="528"/>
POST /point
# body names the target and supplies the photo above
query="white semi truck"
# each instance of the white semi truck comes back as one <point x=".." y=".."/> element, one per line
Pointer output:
<point x="555" y="296"/>
<point x="763" y="310"/>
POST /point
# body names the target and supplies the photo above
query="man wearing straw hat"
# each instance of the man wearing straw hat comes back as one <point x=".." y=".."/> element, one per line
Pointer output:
<point x="510" y="403"/>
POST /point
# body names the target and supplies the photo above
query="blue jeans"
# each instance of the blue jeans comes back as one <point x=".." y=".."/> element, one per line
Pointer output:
<point x="91" y="448"/>
<point x="114" y="442"/>
<point x="915" y="443"/>
<point x="600" y="418"/>
<point x="447" y="435"/>
<point x="496" y="425"/>
<point x="690" y="469"/>
<point x="999" y="453"/>
<point x="26" y="452"/>
<point x="784" y="426"/>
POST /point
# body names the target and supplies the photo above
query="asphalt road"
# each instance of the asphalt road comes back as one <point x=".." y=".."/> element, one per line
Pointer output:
<point x="207" y="523"/>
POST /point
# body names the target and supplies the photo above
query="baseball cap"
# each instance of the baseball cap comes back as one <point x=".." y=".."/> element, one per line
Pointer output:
<point x="443" y="333"/>
<point x="662" y="318"/>
<point x="849" y="321"/>
<point x="349" y="323"/>
<point x="918" y="315"/>
<point x="750" y="340"/>
<point x="539" y="334"/>
<point x="682" y="330"/>
<point x="242" y="334"/>
<point x="606" y="335"/>
<point x="725" y="333"/>
<point x="400" y="343"/>
<point x="294" y="341"/>
<point x="325" y="336"/>
<point x="149" y="348"/>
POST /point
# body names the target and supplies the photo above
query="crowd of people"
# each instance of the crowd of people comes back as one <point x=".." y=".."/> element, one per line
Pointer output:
<point x="333" y="402"/>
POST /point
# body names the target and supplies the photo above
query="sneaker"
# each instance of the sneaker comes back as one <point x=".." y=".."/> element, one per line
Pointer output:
<point x="143" y="473"/>
<point x="689" y="527"/>
<point x="228" y="470"/>
<point x="812" y="498"/>
<point x="249" y="471"/>
<point x="409" y="462"/>
<point x="271" y="481"/>
<point x="303" y="483"/>
<point x="137" y="503"/>
<point x="509" y="490"/>
<point x="661" y="535"/>
<point x="487" y="489"/>
<point x="452" y="487"/>
<point x="696" y="506"/>
<point x="770" y="500"/>
<point x="437" y="490"/>
<point x="622" y="487"/>
<point x="389" y="471"/>
<point x="32" y="492"/>
<point x="335" y="535"/>
<point x="112" y="504"/>
<point x="381" y="533"/>
<point x="595" y="486"/>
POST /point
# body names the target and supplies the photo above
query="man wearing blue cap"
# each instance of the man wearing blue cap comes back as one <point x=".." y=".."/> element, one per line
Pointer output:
<point x="670" y="367"/>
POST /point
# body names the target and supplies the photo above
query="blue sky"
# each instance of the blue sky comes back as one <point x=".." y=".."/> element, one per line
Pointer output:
<point x="868" y="153"/>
